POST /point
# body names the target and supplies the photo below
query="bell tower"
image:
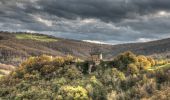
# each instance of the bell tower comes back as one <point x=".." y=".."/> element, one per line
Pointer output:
<point x="96" y="55"/>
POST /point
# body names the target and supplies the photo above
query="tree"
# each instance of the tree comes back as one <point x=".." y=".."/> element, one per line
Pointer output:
<point x="132" y="69"/>
<point x="71" y="72"/>
<point x="143" y="62"/>
<point x="151" y="60"/>
<point x="112" y="78"/>
<point x="123" y="60"/>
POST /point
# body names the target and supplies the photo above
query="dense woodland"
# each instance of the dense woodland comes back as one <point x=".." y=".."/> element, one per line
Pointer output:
<point x="126" y="77"/>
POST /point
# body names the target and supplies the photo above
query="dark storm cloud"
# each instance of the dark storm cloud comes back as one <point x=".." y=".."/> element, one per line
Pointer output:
<point x="112" y="21"/>
<point x="109" y="10"/>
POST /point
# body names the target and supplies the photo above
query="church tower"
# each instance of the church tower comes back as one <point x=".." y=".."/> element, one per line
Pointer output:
<point x="96" y="55"/>
<point x="95" y="59"/>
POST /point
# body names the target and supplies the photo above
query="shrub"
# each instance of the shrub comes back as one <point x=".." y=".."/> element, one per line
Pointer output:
<point x="72" y="93"/>
<point x="58" y="61"/>
<point x="4" y="92"/>
<point x="33" y="93"/>
<point x="36" y="63"/>
<point x="99" y="91"/>
<point x="112" y="79"/>
<point x="71" y="72"/>
<point x="163" y="94"/>
<point x="132" y="69"/>
<point x="69" y="59"/>
<point x="143" y="62"/>
<point x="152" y="61"/>
<point x="46" y="69"/>
<point x="123" y="60"/>
<point x="33" y="76"/>
<point x="162" y="76"/>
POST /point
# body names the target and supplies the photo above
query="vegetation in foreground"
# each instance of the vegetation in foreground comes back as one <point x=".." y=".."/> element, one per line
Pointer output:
<point x="5" y="69"/>
<point x="126" y="77"/>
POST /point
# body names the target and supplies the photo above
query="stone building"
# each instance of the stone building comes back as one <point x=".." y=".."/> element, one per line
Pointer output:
<point x="95" y="58"/>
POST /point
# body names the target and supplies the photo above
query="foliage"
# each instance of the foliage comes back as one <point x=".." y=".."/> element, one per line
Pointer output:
<point x="133" y="64"/>
<point x="123" y="60"/>
<point x="163" y="94"/>
<point x="132" y="69"/>
<point x="72" y="93"/>
<point x="64" y="78"/>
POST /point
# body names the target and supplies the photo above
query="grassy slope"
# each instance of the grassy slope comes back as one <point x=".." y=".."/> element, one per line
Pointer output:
<point x="23" y="45"/>
<point x="5" y="69"/>
<point x="35" y="37"/>
<point x="166" y="66"/>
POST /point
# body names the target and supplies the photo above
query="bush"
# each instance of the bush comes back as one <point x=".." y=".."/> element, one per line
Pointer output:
<point x="152" y="61"/>
<point x="132" y="69"/>
<point x="99" y="91"/>
<point x="71" y="72"/>
<point x="163" y="94"/>
<point x="133" y="63"/>
<point x="72" y="93"/>
<point x="143" y="62"/>
<point x="35" y="63"/>
<point x="33" y="93"/>
<point x="162" y="76"/>
<point x="123" y="60"/>
<point x="58" y="61"/>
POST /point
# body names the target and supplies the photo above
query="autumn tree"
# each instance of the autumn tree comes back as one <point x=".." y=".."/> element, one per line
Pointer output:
<point x="123" y="60"/>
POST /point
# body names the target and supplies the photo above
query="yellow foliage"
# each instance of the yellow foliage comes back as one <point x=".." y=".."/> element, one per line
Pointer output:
<point x="47" y="69"/>
<point x="151" y="60"/>
<point x="142" y="58"/>
<point x="58" y="61"/>
<point x="69" y="59"/>
<point x="143" y="62"/>
<point x="72" y="93"/>
<point x="93" y="79"/>
<point x="132" y="69"/>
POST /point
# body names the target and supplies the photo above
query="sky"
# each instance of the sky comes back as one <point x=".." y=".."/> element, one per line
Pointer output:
<point x="100" y="21"/>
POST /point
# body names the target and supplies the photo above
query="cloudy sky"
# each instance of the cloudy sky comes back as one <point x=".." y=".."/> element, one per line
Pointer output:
<point x="108" y="21"/>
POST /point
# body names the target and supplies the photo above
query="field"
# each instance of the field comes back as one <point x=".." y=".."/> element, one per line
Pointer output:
<point x="166" y="66"/>
<point x="5" y="69"/>
<point x="36" y="37"/>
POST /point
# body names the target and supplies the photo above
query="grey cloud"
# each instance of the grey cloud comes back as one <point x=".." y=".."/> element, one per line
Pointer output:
<point x="116" y="21"/>
<point x="107" y="10"/>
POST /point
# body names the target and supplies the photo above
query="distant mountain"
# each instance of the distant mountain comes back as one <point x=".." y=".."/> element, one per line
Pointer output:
<point x="158" y="49"/>
<point x="16" y="47"/>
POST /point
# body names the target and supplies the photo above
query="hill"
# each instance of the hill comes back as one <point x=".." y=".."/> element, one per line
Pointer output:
<point x="16" y="47"/>
<point x="159" y="48"/>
